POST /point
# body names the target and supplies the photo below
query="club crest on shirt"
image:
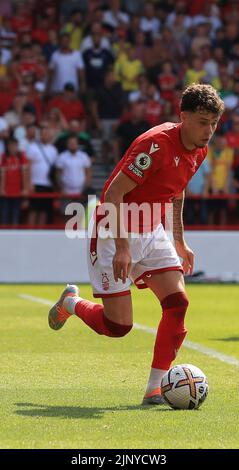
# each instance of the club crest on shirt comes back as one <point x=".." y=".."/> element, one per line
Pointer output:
<point x="143" y="161"/>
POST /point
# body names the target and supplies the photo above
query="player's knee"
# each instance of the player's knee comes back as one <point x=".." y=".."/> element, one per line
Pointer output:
<point x="177" y="301"/>
<point x="123" y="330"/>
<point x="183" y="301"/>
<point x="117" y="329"/>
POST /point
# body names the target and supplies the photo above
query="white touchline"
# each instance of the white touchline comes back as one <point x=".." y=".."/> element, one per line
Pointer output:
<point x="187" y="344"/>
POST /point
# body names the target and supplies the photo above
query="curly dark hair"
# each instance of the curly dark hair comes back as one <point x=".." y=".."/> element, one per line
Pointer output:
<point x="198" y="97"/>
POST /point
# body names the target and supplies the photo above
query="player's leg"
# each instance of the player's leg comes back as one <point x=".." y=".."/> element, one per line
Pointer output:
<point x="113" y="319"/>
<point x="170" y="290"/>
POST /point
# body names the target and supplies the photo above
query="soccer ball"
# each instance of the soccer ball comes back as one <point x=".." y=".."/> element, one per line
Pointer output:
<point x="184" y="387"/>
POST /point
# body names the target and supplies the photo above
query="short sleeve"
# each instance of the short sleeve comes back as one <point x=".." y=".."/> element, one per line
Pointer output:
<point x="79" y="60"/>
<point x="87" y="160"/>
<point x="53" y="60"/>
<point x="59" y="163"/>
<point x="142" y="159"/>
<point x="31" y="152"/>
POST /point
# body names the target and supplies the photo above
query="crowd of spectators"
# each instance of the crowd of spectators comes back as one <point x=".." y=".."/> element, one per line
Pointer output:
<point x="76" y="70"/>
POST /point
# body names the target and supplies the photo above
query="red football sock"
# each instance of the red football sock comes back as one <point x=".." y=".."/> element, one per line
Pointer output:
<point x="171" y="331"/>
<point x="93" y="315"/>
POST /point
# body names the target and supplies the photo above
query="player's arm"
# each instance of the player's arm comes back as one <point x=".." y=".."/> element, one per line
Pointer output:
<point x="121" y="185"/>
<point x="178" y="234"/>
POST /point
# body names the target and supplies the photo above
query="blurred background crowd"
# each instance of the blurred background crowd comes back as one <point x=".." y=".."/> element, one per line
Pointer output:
<point x="81" y="79"/>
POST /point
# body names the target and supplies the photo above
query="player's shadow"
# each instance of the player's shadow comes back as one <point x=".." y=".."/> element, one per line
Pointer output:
<point x="77" y="412"/>
<point x="229" y="339"/>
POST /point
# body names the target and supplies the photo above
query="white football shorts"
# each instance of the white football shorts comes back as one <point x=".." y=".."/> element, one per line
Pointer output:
<point x="151" y="253"/>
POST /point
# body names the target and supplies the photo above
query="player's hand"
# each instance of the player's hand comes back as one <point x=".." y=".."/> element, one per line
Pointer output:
<point x="187" y="255"/>
<point x="121" y="264"/>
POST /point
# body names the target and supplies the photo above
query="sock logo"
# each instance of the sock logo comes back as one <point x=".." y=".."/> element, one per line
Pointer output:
<point x="105" y="281"/>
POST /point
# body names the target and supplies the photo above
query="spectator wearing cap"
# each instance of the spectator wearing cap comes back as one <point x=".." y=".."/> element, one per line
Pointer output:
<point x="68" y="103"/>
<point x="64" y="60"/>
<point x="14" y="182"/>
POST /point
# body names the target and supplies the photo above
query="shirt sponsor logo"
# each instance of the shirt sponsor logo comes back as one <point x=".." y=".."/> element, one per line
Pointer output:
<point x="177" y="160"/>
<point x="135" y="170"/>
<point x="143" y="161"/>
<point x="154" y="147"/>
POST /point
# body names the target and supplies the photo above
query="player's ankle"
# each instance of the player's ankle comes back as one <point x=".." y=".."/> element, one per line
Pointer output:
<point x="70" y="303"/>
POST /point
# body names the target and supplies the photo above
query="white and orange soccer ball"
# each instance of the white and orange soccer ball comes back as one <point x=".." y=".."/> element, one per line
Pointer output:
<point x="184" y="387"/>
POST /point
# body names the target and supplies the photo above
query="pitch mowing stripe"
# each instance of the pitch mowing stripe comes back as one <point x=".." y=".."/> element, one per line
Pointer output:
<point x="187" y="344"/>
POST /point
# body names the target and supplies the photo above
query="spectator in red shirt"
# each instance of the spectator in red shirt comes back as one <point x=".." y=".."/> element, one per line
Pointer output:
<point x="28" y="64"/>
<point x="68" y="103"/>
<point x="153" y="107"/>
<point x="40" y="33"/>
<point x="14" y="182"/>
<point x="167" y="81"/>
<point x="22" y="19"/>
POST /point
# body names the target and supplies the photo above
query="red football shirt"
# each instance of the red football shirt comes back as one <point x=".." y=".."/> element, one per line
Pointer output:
<point x="13" y="173"/>
<point x="160" y="165"/>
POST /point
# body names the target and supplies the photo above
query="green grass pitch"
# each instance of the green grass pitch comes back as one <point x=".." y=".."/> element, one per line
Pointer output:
<point x="75" y="389"/>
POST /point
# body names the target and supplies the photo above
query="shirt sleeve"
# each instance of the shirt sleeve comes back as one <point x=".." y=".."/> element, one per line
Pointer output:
<point x="142" y="159"/>
<point x="53" y="61"/>
<point x="59" y="163"/>
<point x="87" y="161"/>
<point x="80" y="62"/>
<point x="32" y="153"/>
